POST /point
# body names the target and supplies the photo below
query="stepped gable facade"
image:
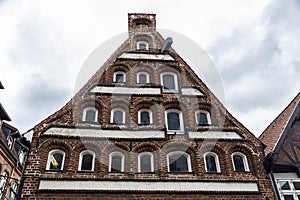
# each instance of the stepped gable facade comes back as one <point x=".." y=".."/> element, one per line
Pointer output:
<point x="282" y="140"/>
<point x="145" y="127"/>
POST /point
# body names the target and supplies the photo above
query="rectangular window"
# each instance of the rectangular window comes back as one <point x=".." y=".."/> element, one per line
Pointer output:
<point x="173" y="121"/>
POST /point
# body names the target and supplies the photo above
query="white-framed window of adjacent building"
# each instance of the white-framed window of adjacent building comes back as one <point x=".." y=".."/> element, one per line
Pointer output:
<point x="288" y="189"/>
<point x="56" y="159"/>
<point x="86" y="161"/>
<point x="179" y="161"/>
<point x="10" y="141"/>
<point x="3" y="181"/>
<point x="90" y="114"/>
<point x="13" y="190"/>
<point x="240" y="162"/>
<point x="145" y="161"/>
<point x="145" y="117"/>
<point x="142" y="77"/>
<point x="142" y="46"/>
<point x="117" y="116"/>
<point x="119" y="77"/>
<point x="169" y="82"/>
<point x="202" y="117"/>
<point x="116" y="162"/>
<point x="211" y="161"/>
<point x="174" y="121"/>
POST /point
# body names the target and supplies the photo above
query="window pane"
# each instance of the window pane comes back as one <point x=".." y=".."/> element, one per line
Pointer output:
<point x="145" y="163"/>
<point x="178" y="163"/>
<point x="56" y="161"/>
<point x="119" y="78"/>
<point x="238" y="163"/>
<point x="118" y="117"/>
<point x="211" y="163"/>
<point x="168" y="82"/>
<point x="116" y="163"/>
<point x="202" y="118"/>
<point x="142" y="78"/>
<point x="87" y="162"/>
<point x="145" y="117"/>
<point x="90" y="116"/>
<point x="288" y="197"/>
<point x="284" y="185"/>
<point x="173" y="121"/>
<point x="142" y="46"/>
<point x="296" y="185"/>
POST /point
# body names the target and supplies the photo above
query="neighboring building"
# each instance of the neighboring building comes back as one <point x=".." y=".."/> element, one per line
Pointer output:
<point x="282" y="140"/>
<point x="145" y="127"/>
<point x="11" y="157"/>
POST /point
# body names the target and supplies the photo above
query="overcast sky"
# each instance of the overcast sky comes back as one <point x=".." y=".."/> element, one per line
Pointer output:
<point x="254" y="44"/>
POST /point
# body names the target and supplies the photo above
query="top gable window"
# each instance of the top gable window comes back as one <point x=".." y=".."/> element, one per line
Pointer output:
<point x="90" y="114"/>
<point x="144" y="22"/>
<point x="202" y="117"/>
<point x="142" y="77"/>
<point x="119" y="77"/>
<point x="142" y="46"/>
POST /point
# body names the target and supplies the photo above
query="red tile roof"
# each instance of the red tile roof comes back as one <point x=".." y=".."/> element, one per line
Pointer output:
<point x="273" y="132"/>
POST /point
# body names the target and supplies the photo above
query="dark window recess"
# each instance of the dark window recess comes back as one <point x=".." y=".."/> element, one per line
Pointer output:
<point x="284" y="185"/>
<point x="145" y="118"/>
<point x="142" y="47"/>
<point x="296" y="185"/>
<point x="90" y="116"/>
<point x="288" y="197"/>
<point x="142" y="78"/>
<point x="238" y="163"/>
<point x="116" y="163"/>
<point x="168" y="82"/>
<point x="144" y="22"/>
<point x="178" y="163"/>
<point x="118" y="117"/>
<point x="173" y="121"/>
<point x="87" y="162"/>
<point x="202" y="118"/>
<point x="210" y="163"/>
<point x="56" y="161"/>
<point x="120" y="78"/>
<point x="145" y="163"/>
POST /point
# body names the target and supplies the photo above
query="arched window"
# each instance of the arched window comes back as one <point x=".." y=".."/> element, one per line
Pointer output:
<point x="145" y="117"/>
<point x="179" y="162"/>
<point x="86" y="161"/>
<point x="169" y="82"/>
<point x="202" y="117"/>
<point x="211" y="161"/>
<point x="240" y="163"/>
<point x="117" y="116"/>
<point x="116" y="162"/>
<point x="142" y="77"/>
<point x="142" y="46"/>
<point x="13" y="190"/>
<point x="119" y="77"/>
<point x="3" y="182"/>
<point x="56" y="160"/>
<point x="145" y="161"/>
<point x="174" y="121"/>
<point x="90" y="114"/>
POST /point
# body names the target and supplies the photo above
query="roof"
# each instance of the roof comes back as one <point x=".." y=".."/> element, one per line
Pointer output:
<point x="3" y="114"/>
<point x="273" y="133"/>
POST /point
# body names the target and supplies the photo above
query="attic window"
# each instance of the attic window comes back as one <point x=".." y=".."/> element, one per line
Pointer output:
<point x="142" y="46"/>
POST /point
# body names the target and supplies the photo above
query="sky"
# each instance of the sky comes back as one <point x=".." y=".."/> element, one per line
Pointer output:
<point x="254" y="45"/>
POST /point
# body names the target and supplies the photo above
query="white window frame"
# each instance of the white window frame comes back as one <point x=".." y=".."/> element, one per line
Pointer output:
<point x="181" y="130"/>
<point x="10" y="142"/>
<point x="112" y="115"/>
<point x="115" y="76"/>
<point x="216" y="160"/>
<point x="179" y="153"/>
<point x="142" y="73"/>
<point x="207" y="115"/>
<point x="81" y="157"/>
<point x="292" y="190"/>
<point x="140" y="117"/>
<point x="142" y="42"/>
<point x="3" y="182"/>
<point x="13" y="190"/>
<point x="175" y="82"/>
<point x="151" y="160"/>
<point x="49" y="158"/>
<point x="116" y="153"/>
<point x="85" y="110"/>
<point x="245" y="161"/>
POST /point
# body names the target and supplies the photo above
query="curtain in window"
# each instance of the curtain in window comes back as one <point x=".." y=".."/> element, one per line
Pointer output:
<point x="238" y="163"/>
<point x="90" y="116"/>
<point x="210" y="163"/>
<point x="145" y="117"/>
<point x="202" y="118"/>
<point x="118" y="117"/>
<point x="56" y="161"/>
<point x="142" y="78"/>
<point x="87" y="162"/>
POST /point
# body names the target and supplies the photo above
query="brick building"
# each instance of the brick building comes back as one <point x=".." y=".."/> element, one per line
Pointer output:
<point x="282" y="151"/>
<point x="145" y="127"/>
<point x="12" y="156"/>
